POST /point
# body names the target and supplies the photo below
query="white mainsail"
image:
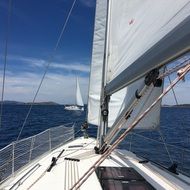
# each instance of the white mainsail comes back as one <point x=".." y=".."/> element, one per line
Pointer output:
<point x="134" y="27"/>
<point x="79" y="100"/>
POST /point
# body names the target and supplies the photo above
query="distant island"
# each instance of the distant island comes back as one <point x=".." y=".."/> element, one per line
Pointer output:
<point x="180" y="105"/>
<point x="9" y="102"/>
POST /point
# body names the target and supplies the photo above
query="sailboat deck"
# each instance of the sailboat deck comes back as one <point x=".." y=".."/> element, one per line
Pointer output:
<point x="80" y="157"/>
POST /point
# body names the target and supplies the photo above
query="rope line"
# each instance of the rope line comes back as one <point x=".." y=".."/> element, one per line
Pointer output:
<point x="135" y="102"/>
<point x="46" y="69"/>
<point x="182" y="64"/>
<point x="5" y="57"/>
<point x="176" y="68"/>
<point x="120" y="139"/>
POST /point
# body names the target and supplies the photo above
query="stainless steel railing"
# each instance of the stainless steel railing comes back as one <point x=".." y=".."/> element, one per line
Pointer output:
<point x="154" y="149"/>
<point x="20" y="153"/>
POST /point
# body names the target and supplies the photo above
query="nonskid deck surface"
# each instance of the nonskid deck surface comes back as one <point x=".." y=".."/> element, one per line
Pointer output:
<point x="78" y="156"/>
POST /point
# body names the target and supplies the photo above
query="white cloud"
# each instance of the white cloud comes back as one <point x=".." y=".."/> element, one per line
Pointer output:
<point x="88" y="3"/>
<point x="55" y="87"/>
<point x="60" y="88"/>
<point x="35" y="62"/>
<point x="75" y="66"/>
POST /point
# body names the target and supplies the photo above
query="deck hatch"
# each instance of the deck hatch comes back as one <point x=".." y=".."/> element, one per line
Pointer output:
<point x="120" y="178"/>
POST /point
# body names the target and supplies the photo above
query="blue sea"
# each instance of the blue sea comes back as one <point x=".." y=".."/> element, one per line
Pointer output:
<point x="173" y="136"/>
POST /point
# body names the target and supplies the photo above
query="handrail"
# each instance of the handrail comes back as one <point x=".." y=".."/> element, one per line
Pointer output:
<point x="177" y="147"/>
<point x="20" y="153"/>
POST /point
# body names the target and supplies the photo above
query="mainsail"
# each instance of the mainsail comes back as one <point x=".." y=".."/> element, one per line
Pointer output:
<point x="79" y="100"/>
<point x="135" y="28"/>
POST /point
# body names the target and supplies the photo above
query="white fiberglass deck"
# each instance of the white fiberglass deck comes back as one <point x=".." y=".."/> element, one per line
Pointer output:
<point x="65" y="173"/>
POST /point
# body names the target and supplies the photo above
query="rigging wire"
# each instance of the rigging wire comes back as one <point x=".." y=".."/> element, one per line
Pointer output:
<point x="46" y="68"/>
<point x="5" y="57"/>
<point x="182" y="121"/>
<point x="88" y="173"/>
<point x="166" y="147"/>
<point x="175" y="97"/>
<point x="182" y="64"/>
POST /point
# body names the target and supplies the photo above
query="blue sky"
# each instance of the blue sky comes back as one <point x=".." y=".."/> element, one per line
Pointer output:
<point x="35" y="27"/>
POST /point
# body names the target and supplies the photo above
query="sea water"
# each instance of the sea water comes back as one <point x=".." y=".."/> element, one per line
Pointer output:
<point x="169" y="144"/>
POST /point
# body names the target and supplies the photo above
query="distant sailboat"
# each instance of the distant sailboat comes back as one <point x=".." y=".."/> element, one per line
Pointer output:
<point x="79" y="102"/>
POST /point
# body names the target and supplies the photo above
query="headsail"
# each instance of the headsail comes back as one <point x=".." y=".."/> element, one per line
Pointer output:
<point x="79" y="100"/>
<point x="97" y="63"/>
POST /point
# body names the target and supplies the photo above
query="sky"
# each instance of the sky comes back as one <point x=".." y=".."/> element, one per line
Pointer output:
<point x="34" y="30"/>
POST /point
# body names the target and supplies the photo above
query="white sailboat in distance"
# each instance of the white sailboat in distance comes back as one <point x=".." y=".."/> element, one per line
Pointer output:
<point x="79" y="102"/>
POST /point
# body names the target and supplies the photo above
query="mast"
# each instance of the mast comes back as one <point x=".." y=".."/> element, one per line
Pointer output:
<point x="104" y="100"/>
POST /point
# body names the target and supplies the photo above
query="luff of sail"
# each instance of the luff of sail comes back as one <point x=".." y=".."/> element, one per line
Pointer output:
<point x="79" y="100"/>
<point x="97" y="63"/>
